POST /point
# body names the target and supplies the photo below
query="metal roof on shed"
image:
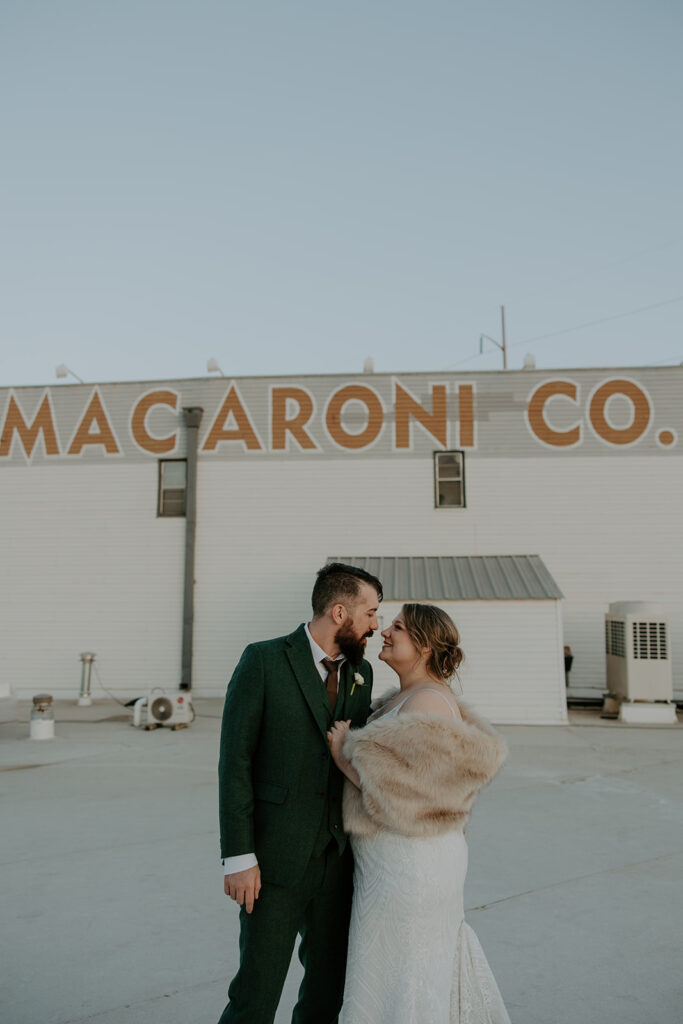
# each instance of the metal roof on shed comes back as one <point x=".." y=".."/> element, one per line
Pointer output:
<point x="460" y="577"/>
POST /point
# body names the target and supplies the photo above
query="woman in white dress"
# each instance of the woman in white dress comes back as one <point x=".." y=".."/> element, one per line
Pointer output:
<point x="412" y="774"/>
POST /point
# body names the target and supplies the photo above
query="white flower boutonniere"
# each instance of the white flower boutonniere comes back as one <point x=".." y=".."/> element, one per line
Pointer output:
<point x="357" y="681"/>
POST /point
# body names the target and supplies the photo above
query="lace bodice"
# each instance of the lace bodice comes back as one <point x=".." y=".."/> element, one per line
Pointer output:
<point x="383" y="713"/>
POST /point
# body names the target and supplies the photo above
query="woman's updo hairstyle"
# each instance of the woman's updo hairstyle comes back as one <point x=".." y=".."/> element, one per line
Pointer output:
<point x="428" y="626"/>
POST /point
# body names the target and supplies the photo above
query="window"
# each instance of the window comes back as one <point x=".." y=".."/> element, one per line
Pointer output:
<point x="449" y="479"/>
<point x="172" y="477"/>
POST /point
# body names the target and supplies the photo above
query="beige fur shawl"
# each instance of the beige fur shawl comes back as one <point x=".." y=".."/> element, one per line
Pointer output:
<point x="420" y="773"/>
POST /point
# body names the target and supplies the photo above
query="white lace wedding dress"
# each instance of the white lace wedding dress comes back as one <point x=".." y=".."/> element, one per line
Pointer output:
<point x="412" y="957"/>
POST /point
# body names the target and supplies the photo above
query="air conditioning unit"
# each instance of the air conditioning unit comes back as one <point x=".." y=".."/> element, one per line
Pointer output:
<point x="174" y="710"/>
<point x="638" y="657"/>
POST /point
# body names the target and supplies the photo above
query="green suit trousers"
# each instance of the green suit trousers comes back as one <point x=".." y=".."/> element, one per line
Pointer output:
<point x="318" y="908"/>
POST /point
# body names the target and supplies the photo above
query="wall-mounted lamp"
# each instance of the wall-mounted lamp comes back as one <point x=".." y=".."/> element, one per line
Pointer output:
<point x="213" y="367"/>
<point x="63" y="371"/>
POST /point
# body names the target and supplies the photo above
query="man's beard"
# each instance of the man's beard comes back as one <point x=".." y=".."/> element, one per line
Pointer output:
<point x="351" y="646"/>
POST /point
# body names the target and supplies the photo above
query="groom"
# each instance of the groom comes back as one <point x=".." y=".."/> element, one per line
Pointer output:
<point x="287" y="860"/>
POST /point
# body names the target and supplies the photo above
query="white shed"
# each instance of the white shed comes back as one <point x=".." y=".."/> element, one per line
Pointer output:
<point x="507" y="610"/>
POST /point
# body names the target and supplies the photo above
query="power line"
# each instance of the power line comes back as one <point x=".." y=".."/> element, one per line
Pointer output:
<point x="603" y="320"/>
<point x="676" y="360"/>
<point x="578" y="327"/>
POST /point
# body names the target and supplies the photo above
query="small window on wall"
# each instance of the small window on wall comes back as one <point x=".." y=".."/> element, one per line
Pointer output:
<point x="449" y="479"/>
<point x="172" y="477"/>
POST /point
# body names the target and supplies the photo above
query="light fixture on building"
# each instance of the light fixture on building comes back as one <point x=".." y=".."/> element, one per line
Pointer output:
<point x="213" y="367"/>
<point x="529" y="362"/>
<point x="369" y="365"/>
<point x="63" y="371"/>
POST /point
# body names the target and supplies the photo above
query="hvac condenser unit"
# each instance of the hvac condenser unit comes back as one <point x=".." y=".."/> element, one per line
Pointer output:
<point x="639" y="661"/>
<point x="174" y="710"/>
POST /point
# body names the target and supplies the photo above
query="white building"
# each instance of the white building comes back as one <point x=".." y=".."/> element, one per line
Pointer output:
<point x="579" y="469"/>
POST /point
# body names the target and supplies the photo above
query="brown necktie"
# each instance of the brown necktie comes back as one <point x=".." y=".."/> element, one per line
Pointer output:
<point x="332" y="680"/>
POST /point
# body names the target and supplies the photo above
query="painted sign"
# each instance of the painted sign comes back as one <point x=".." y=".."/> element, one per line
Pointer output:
<point x="512" y="414"/>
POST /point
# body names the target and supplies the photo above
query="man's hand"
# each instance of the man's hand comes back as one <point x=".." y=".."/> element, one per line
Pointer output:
<point x="244" y="887"/>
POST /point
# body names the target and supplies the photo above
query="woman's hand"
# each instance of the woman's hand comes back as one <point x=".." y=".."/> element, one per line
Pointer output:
<point x="335" y="737"/>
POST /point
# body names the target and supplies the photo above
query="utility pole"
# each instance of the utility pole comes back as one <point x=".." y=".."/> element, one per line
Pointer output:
<point x="503" y="346"/>
<point x="505" y="351"/>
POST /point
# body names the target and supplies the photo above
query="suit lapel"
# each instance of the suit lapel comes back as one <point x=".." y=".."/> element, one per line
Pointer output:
<point x="300" y="658"/>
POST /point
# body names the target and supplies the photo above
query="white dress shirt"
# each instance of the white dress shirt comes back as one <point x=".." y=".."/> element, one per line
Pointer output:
<point x="243" y="861"/>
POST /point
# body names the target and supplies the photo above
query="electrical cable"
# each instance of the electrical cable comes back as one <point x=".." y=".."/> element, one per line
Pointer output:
<point x="121" y="703"/>
<point x="569" y="330"/>
<point x="591" y="323"/>
<point x="94" y="665"/>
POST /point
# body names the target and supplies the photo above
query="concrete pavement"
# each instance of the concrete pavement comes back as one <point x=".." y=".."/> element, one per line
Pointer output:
<point x="112" y="905"/>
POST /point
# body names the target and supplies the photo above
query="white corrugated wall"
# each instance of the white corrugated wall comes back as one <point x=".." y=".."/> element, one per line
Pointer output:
<point x="513" y="670"/>
<point x="87" y="565"/>
<point x="265" y="528"/>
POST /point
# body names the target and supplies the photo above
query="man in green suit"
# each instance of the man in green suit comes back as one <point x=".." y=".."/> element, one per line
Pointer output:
<point x="287" y="860"/>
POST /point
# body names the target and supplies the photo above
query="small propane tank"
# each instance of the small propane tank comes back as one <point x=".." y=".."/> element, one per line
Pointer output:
<point x="42" y="718"/>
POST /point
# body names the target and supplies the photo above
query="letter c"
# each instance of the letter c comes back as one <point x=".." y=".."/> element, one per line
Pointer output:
<point x="138" y="423"/>
<point x="536" y="414"/>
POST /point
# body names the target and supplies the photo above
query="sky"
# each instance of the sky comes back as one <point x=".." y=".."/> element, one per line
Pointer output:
<point x="292" y="186"/>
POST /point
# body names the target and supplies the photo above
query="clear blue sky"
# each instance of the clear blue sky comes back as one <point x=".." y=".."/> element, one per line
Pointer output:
<point x="293" y="185"/>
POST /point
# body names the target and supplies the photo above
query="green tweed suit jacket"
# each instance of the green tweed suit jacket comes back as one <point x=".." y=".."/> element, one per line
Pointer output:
<point x="278" y="785"/>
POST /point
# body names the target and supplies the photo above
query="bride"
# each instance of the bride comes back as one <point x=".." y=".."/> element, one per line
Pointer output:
<point x="412" y="774"/>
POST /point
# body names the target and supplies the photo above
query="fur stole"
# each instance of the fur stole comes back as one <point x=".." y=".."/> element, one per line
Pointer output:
<point x="420" y="773"/>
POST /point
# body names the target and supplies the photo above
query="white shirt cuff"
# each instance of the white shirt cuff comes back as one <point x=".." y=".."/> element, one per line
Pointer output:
<point x="240" y="863"/>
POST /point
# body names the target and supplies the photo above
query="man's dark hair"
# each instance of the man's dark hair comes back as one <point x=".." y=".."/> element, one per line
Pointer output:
<point x="337" y="582"/>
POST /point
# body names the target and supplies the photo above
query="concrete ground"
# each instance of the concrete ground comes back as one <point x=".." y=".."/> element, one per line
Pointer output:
<point x="112" y="905"/>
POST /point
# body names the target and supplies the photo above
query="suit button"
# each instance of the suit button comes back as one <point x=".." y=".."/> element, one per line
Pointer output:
<point x="320" y="792"/>
<point x="336" y="828"/>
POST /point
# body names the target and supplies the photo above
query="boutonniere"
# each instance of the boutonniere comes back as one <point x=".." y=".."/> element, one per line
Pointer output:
<point x="357" y="681"/>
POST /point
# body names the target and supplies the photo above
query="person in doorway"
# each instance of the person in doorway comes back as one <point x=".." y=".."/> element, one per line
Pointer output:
<point x="286" y="856"/>
<point x="413" y="774"/>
